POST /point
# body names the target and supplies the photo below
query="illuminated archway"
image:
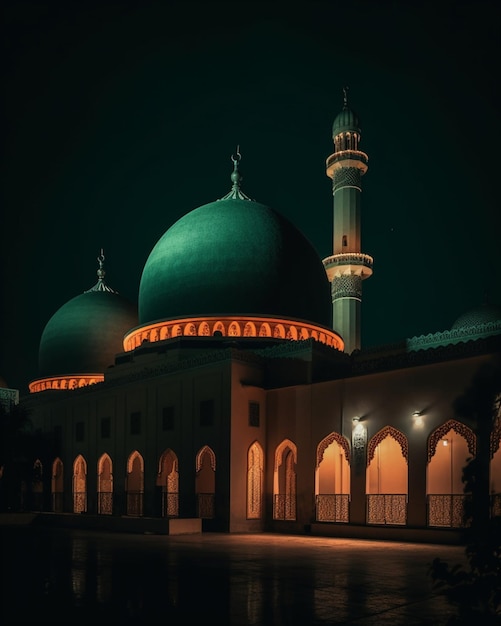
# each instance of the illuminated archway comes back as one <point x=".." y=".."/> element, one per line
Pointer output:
<point x="57" y="485"/>
<point x="79" y="485"/>
<point x="135" y="484"/>
<point x="234" y="330"/>
<point x="387" y="477"/>
<point x="449" y="447"/>
<point x="205" y="482"/>
<point x="284" y="481"/>
<point x="105" y="485"/>
<point x="332" y="479"/>
<point x="168" y="481"/>
<point x="255" y="477"/>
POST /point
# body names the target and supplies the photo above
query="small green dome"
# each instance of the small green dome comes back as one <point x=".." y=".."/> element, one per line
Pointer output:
<point x="234" y="257"/>
<point x="479" y="315"/>
<point x="346" y="121"/>
<point x="84" y="335"/>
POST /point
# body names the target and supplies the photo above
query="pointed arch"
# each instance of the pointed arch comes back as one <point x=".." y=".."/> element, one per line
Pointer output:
<point x="205" y="482"/>
<point x="255" y="481"/>
<point x="57" y="485"/>
<point x="332" y="479"/>
<point x="219" y="328"/>
<point x="457" y="427"/>
<point x="284" y="481"/>
<point x="105" y="485"/>
<point x="388" y="431"/>
<point x="79" y="484"/>
<point x="164" y="333"/>
<point x="387" y="477"/>
<point x="234" y="330"/>
<point x="168" y="481"/>
<point x="292" y="333"/>
<point x="135" y="484"/>
<point x="200" y="455"/>
<point x="449" y="447"/>
<point x="190" y="330"/>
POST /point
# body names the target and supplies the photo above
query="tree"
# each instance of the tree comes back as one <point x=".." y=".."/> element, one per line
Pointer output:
<point x="476" y="588"/>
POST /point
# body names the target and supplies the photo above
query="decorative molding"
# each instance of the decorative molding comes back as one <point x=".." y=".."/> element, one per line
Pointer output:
<point x="388" y="431"/>
<point x="326" y="442"/>
<point x="200" y="455"/>
<point x="457" y="427"/>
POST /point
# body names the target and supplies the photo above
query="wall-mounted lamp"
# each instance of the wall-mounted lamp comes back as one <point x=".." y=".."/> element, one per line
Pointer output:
<point x="417" y="417"/>
<point x="355" y="421"/>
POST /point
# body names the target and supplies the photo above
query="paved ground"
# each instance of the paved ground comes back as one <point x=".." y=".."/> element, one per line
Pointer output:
<point x="77" y="577"/>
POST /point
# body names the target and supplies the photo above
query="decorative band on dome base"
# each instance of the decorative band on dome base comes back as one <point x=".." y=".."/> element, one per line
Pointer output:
<point x="65" y="382"/>
<point x="234" y="326"/>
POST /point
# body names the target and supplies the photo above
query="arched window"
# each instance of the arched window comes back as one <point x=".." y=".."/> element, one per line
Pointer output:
<point x="105" y="485"/>
<point x="205" y="482"/>
<point x="204" y="330"/>
<point x="255" y="473"/>
<point x="449" y="447"/>
<point x="284" y="481"/>
<point x="37" y="486"/>
<point x="249" y="329"/>
<point x="57" y="487"/>
<point x="79" y="485"/>
<point x="332" y="479"/>
<point x="386" y="477"/>
<point x="135" y="484"/>
<point x="265" y="330"/>
<point x="168" y="481"/>
<point x="234" y="330"/>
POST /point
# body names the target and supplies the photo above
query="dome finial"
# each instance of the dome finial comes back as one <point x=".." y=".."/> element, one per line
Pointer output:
<point x="236" y="179"/>
<point x="101" y="285"/>
<point x="345" y="97"/>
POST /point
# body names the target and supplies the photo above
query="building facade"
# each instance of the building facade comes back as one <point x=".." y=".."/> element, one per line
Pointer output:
<point x="239" y="392"/>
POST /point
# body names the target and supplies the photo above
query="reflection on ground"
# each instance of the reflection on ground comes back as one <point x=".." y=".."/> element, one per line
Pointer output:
<point x="77" y="577"/>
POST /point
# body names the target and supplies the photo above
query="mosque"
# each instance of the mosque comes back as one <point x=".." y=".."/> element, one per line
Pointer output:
<point x="238" y="392"/>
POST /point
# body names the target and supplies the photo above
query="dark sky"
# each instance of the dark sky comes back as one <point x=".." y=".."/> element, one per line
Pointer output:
<point x="119" y="119"/>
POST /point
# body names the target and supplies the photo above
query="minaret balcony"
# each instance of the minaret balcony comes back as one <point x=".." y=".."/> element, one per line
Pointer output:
<point x="348" y="264"/>
<point x="347" y="158"/>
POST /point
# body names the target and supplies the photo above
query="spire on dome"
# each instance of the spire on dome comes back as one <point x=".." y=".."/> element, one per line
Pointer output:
<point x="345" y="97"/>
<point x="236" y="193"/>
<point x="101" y="285"/>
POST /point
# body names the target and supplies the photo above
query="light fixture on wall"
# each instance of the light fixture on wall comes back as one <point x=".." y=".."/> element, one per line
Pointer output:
<point x="417" y="418"/>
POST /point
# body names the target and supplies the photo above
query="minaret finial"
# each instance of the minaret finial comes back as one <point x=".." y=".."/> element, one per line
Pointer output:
<point x="236" y="178"/>
<point x="345" y="97"/>
<point x="101" y="285"/>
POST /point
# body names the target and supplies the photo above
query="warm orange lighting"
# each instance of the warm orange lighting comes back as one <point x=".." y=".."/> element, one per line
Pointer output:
<point x="65" y="382"/>
<point x="235" y="326"/>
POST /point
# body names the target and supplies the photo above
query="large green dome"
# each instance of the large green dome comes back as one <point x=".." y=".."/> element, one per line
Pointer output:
<point x="84" y="335"/>
<point x="234" y="257"/>
<point x="483" y="314"/>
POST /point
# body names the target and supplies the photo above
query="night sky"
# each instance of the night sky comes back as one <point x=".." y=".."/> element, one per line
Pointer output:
<point x="119" y="119"/>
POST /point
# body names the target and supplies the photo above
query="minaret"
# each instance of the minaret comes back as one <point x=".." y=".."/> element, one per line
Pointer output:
<point x="348" y="266"/>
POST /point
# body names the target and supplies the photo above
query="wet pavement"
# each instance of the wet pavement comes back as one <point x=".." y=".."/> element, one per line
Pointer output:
<point x="77" y="577"/>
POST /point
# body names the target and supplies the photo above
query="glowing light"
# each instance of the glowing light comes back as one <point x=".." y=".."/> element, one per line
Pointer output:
<point x="65" y="382"/>
<point x="235" y="326"/>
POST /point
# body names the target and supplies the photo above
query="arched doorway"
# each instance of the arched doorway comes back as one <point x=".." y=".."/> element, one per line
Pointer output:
<point x="105" y="485"/>
<point x="79" y="485"/>
<point x="449" y="447"/>
<point x="168" y="481"/>
<point x="37" y="486"/>
<point x="284" y="481"/>
<point x="255" y="475"/>
<point x="332" y="479"/>
<point x="135" y="484"/>
<point x="205" y="482"/>
<point x="387" y="477"/>
<point x="57" y="486"/>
